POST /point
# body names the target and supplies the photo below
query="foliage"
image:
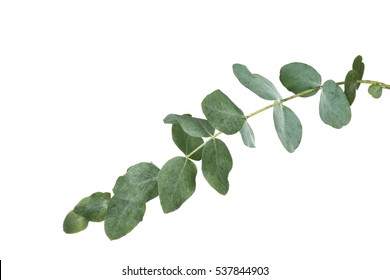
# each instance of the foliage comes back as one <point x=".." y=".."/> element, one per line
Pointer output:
<point x="197" y="139"/>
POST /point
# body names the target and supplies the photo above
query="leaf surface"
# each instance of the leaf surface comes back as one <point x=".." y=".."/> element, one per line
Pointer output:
<point x="261" y="86"/>
<point x="139" y="184"/>
<point x="350" y="85"/>
<point x="94" y="207"/>
<point x="298" y="77"/>
<point x="216" y="165"/>
<point x="334" y="106"/>
<point x="247" y="135"/>
<point x="194" y="127"/>
<point x="122" y="217"/>
<point x="176" y="183"/>
<point x="185" y="142"/>
<point x="74" y="223"/>
<point x="222" y="113"/>
<point x="375" y="90"/>
<point x="288" y="127"/>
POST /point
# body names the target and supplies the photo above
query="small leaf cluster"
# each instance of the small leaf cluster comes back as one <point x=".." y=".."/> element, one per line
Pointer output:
<point x="197" y="139"/>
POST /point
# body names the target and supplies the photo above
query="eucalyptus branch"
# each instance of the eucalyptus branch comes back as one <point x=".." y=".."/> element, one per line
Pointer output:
<point x="197" y="138"/>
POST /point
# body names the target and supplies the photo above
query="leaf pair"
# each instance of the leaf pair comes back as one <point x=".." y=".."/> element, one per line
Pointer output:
<point x="90" y="209"/>
<point x="287" y="124"/>
<point x="176" y="180"/>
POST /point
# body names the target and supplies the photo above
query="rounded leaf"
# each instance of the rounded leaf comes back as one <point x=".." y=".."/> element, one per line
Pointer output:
<point x="298" y="77"/>
<point x="247" y="135"/>
<point x="139" y="183"/>
<point x="261" y="86"/>
<point x="94" y="207"/>
<point x="122" y="217"/>
<point x="222" y="113"/>
<point x="288" y="127"/>
<point x="176" y="183"/>
<point x="216" y="165"/>
<point x="375" y="90"/>
<point x="194" y="127"/>
<point x="334" y="106"/>
<point x="74" y="223"/>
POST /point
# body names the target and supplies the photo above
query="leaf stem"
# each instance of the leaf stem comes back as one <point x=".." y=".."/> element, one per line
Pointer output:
<point x="374" y="83"/>
<point x="280" y="101"/>
<point x="201" y="146"/>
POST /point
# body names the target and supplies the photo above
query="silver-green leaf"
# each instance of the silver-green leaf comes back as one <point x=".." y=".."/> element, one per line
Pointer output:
<point x="176" y="183"/>
<point x="350" y="85"/>
<point x="247" y="135"/>
<point x="216" y="165"/>
<point x="298" y="77"/>
<point x="334" y="106"/>
<point x="375" y="90"/>
<point x="122" y="217"/>
<point x="94" y="207"/>
<point x="222" y="113"/>
<point x="74" y="223"/>
<point x="288" y="127"/>
<point x="194" y="127"/>
<point x="185" y="142"/>
<point x="256" y="83"/>
<point x="139" y="184"/>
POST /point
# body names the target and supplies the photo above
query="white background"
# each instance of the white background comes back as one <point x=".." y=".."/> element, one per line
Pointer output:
<point x="84" y="86"/>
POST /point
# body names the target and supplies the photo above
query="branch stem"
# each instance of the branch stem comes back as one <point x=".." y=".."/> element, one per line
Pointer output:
<point x="281" y="101"/>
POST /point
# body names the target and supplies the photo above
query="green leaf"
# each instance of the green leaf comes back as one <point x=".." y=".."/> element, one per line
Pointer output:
<point x="247" y="135"/>
<point x="334" y="106"/>
<point x="192" y="126"/>
<point x="74" y="223"/>
<point x="375" y="90"/>
<point x="256" y="83"/>
<point x="122" y="217"/>
<point x="216" y="165"/>
<point x="94" y="207"/>
<point x="288" y="127"/>
<point x="139" y="184"/>
<point x="185" y="142"/>
<point x="299" y="77"/>
<point x="350" y="86"/>
<point x="176" y="183"/>
<point x="222" y="113"/>
<point x="358" y="66"/>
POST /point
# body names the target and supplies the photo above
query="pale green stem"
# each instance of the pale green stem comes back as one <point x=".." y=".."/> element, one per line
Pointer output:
<point x="285" y="100"/>
<point x="201" y="146"/>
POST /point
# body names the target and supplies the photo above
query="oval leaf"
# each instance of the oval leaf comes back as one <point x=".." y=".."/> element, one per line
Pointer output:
<point x="94" y="207"/>
<point x="139" y="184"/>
<point x="288" y="127"/>
<point x="74" y="223"/>
<point x="334" y="106"/>
<point x="350" y="85"/>
<point x="122" y="217"/>
<point x="185" y="142"/>
<point x="194" y="127"/>
<point x="247" y="135"/>
<point x="299" y="77"/>
<point x="375" y="90"/>
<point x="216" y="165"/>
<point x="256" y="83"/>
<point x="176" y="183"/>
<point x="222" y="113"/>
<point x="358" y="66"/>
